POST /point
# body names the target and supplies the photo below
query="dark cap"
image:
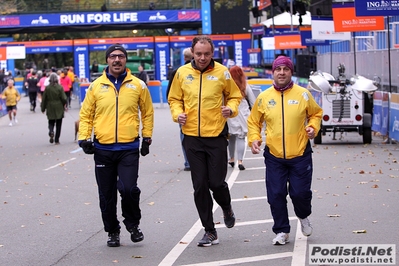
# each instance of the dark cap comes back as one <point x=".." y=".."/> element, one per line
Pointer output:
<point x="115" y="47"/>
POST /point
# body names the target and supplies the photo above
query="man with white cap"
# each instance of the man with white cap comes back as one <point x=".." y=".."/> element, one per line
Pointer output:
<point x="113" y="106"/>
<point x="292" y="118"/>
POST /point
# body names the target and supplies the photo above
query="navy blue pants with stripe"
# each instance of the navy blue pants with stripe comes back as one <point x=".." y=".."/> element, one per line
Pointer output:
<point x="118" y="170"/>
<point x="208" y="162"/>
<point x="293" y="177"/>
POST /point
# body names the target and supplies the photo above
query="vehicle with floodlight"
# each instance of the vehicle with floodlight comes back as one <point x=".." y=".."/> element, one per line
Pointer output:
<point x="346" y="103"/>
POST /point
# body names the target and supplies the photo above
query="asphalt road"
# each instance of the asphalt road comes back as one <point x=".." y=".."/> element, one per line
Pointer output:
<point x="49" y="212"/>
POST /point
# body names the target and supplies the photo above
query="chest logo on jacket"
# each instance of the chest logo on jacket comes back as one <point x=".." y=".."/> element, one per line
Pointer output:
<point x="210" y="77"/>
<point x="271" y="103"/>
<point x="104" y="88"/>
<point x="189" y="79"/>
<point x="292" y="102"/>
<point x="130" y="86"/>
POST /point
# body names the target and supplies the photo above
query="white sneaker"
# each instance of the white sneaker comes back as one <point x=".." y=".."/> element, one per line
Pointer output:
<point x="10" y="124"/>
<point x="306" y="226"/>
<point x="15" y="121"/>
<point x="281" y="239"/>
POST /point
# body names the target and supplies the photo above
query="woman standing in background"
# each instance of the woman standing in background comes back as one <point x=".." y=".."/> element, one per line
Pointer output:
<point x="54" y="101"/>
<point x="238" y="125"/>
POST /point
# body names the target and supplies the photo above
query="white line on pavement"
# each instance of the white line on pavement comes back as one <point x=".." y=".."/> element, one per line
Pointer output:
<point x="299" y="254"/>
<point x="174" y="254"/>
<point x="59" y="164"/>
<point x="244" y="260"/>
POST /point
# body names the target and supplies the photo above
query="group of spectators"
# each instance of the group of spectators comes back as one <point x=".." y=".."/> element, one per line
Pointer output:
<point x="36" y="82"/>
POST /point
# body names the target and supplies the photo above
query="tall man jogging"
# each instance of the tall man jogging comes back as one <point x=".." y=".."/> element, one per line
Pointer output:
<point x="113" y="107"/>
<point x="202" y="96"/>
<point x="292" y="118"/>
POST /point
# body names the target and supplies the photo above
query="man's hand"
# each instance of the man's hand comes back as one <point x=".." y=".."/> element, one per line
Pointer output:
<point x="145" y="146"/>
<point x="182" y="119"/>
<point x="255" y="148"/>
<point x="310" y="132"/>
<point x="226" y="112"/>
<point x="87" y="146"/>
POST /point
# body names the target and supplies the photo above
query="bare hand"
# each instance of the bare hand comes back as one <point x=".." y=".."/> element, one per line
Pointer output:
<point x="255" y="148"/>
<point x="182" y="119"/>
<point x="310" y="132"/>
<point x="226" y="111"/>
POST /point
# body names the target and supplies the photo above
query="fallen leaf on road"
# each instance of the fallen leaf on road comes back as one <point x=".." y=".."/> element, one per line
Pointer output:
<point x="182" y="242"/>
<point x="359" y="231"/>
<point x="333" y="215"/>
<point x="361" y="172"/>
<point x="375" y="186"/>
<point x="374" y="222"/>
<point x="137" y="257"/>
<point x="151" y="203"/>
<point x="363" y="182"/>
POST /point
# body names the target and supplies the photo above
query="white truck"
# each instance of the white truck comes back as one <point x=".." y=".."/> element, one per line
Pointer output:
<point x="346" y="104"/>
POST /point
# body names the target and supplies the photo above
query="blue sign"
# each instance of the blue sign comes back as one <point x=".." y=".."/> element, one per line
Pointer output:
<point x="206" y="17"/>
<point x="95" y="18"/>
<point x="306" y="39"/>
<point x="377" y="8"/>
<point x="81" y="61"/>
<point x="49" y="49"/>
<point x="162" y="56"/>
<point x="241" y="56"/>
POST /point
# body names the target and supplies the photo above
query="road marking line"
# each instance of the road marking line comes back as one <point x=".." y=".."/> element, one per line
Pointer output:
<point x="254" y="222"/>
<point x="255" y="168"/>
<point x="299" y="253"/>
<point x="177" y="250"/>
<point x="77" y="150"/>
<point x="250" y="181"/>
<point x="247" y="199"/>
<point x="255" y="158"/>
<point x="244" y="260"/>
<point x="59" y="164"/>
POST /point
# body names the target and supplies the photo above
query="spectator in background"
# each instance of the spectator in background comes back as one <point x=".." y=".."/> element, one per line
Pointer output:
<point x="188" y="56"/>
<point x="66" y="83"/>
<point x="42" y="82"/>
<point x="2" y="83"/>
<point x="238" y="128"/>
<point x="54" y="101"/>
<point x="94" y="67"/>
<point x="142" y="74"/>
<point x="32" y="84"/>
<point x="71" y="76"/>
<point x="12" y="97"/>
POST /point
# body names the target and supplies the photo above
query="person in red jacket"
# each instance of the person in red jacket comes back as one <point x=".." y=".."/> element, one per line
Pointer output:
<point x="66" y="83"/>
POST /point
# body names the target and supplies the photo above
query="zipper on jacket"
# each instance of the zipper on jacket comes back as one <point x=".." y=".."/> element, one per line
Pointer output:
<point x="116" y="115"/>
<point x="282" y="118"/>
<point x="199" y="107"/>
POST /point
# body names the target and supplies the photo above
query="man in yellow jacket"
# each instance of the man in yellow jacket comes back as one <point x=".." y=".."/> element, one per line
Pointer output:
<point x="292" y="118"/>
<point x="12" y="97"/>
<point x="202" y="96"/>
<point x="113" y="107"/>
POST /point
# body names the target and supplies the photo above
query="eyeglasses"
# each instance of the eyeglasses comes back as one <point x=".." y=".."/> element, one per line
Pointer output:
<point x="114" y="56"/>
